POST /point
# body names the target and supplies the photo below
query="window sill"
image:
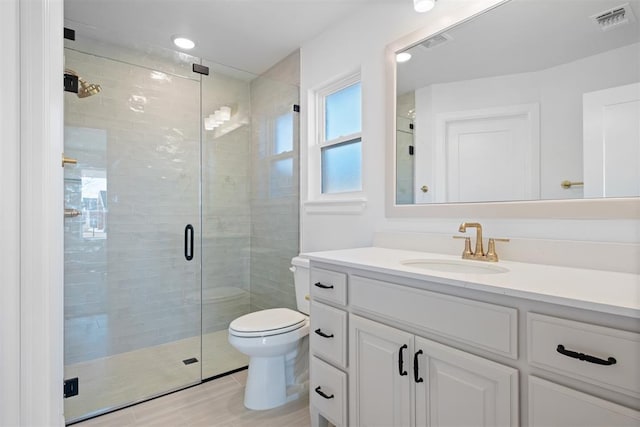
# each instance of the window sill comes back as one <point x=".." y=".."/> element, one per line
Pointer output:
<point x="335" y="207"/>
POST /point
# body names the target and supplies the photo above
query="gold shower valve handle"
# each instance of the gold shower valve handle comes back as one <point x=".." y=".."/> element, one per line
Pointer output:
<point x="71" y="213"/>
<point x="68" y="160"/>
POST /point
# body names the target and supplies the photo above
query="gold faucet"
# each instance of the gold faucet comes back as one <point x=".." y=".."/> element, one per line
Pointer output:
<point x="479" y="254"/>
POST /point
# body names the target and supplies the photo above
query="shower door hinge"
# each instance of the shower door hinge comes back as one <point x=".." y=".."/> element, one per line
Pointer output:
<point x="70" y="83"/>
<point x="69" y="34"/>
<point x="70" y="387"/>
<point x="200" y="69"/>
<point x="296" y="108"/>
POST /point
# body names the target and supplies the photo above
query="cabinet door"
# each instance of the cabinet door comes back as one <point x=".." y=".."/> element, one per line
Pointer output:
<point x="460" y="389"/>
<point x="551" y="404"/>
<point x="380" y="380"/>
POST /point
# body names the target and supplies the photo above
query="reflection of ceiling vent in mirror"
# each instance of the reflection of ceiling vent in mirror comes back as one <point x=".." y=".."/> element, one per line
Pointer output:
<point x="437" y="40"/>
<point x="614" y="18"/>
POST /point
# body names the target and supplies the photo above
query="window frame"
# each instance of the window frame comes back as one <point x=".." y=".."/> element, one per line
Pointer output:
<point x="321" y="142"/>
<point x="267" y="159"/>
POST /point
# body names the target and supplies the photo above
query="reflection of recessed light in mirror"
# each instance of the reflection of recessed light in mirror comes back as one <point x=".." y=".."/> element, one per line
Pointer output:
<point x="183" y="42"/>
<point x="423" y="5"/>
<point x="159" y="75"/>
<point x="403" y="57"/>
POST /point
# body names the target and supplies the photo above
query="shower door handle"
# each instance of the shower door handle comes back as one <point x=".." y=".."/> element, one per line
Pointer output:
<point x="188" y="242"/>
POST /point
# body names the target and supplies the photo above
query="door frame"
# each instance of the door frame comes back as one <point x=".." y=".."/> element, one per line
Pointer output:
<point x="592" y="133"/>
<point x="442" y="121"/>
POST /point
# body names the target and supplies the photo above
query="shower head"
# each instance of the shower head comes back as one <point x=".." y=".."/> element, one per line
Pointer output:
<point x="85" y="89"/>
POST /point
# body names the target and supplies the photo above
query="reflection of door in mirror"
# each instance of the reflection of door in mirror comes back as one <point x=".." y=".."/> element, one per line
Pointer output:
<point x="611" y="122"/>
<point x="487" y="155"/>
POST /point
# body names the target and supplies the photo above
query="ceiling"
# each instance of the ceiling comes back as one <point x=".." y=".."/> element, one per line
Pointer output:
<point x="251" y="35"/>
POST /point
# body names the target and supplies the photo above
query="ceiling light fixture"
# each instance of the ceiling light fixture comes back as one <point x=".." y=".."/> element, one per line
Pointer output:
<point x="423" y="5"/>
<point x="403" y="57"/>
<point x="183" y="42"/>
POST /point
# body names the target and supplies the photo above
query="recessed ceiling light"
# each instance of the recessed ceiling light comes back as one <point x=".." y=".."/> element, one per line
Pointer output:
<point x="403" y="57"/>
<point x="183" y="42"/>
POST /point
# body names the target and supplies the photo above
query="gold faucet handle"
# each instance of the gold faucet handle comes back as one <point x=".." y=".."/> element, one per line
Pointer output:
<point x="491" y="250"/>
<point x="496" y="239"/>
<point x="467" y="246"/>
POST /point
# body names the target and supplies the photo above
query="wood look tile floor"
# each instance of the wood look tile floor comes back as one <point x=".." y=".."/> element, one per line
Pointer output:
<point x="214" y="403"/>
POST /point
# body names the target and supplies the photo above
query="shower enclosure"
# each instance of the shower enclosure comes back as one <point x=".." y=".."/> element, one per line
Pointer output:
<point x="180" y="215"/>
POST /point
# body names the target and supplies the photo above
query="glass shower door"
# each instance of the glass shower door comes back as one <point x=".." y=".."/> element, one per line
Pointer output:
<point x="132" y="227"/>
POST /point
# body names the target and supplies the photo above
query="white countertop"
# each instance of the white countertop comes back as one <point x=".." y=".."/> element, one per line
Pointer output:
<point x="603" y="291"/>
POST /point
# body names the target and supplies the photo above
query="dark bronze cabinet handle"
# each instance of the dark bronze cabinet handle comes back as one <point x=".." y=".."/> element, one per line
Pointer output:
<point x="320" y="285"/>
<point x="401" y="370"/>
<point x="322" y="334"/>
<point x="416" y="374"/>
<point x="321" y="393"/>
<point x="585" y="357"/>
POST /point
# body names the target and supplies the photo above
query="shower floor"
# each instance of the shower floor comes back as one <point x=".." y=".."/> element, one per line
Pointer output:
<point x="114" y="381"/>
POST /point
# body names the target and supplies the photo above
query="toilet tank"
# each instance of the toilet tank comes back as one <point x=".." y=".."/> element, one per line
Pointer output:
<point x="300" y="269"/>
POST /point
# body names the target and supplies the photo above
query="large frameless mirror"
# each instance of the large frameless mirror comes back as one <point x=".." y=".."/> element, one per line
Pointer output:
<point x="528" y="101"/>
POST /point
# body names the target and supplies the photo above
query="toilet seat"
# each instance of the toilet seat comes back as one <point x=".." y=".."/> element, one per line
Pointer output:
<point x="269" y="322"/>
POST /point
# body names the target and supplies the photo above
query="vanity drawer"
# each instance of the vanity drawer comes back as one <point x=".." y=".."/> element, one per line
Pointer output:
<point x="545" y="335"/>
<point x="487" y="326"/>
<point x="328" y="335"/>
<point x="328" y="391"/>
<point x="329" y="285"/>
<point x="551" y="404"/>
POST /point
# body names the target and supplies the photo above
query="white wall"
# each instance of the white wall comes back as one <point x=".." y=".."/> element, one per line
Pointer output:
<point x="559" y="92"/>
<point x="10" y="215"/>
<point x="359" y="43"/>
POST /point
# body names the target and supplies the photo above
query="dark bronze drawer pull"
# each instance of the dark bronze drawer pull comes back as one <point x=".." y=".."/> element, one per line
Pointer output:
<point x="322" y="334"/>
<point x="321" y="393"/>
<point x="320" y="285"/>
<point x="585" y="357"/>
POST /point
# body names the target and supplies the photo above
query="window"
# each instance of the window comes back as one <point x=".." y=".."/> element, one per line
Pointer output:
<point x="340" y="137"/>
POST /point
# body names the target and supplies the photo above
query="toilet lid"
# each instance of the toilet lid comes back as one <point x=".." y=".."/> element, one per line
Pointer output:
<point x="268" y="322"/>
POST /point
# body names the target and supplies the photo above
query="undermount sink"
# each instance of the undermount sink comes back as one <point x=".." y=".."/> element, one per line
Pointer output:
<point x="454" y="266"/>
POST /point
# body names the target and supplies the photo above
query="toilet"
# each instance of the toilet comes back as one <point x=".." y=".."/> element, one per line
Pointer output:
<point x="273" y="339"/>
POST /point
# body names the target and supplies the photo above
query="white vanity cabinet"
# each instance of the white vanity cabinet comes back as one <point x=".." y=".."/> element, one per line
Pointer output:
<point x="328" y="348"/>
<point x="551" y="404"/>
<point x="606" y="357"/>
<point x="399" y="379"/>
<point x="403" y="349"/>
<point x="380" y="381"/>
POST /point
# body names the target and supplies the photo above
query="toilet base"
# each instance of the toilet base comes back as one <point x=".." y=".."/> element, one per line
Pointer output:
<point x="266" y="386"/>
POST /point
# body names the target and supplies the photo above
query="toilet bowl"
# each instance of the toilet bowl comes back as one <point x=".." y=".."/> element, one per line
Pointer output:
<point x="273" y="339"/>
